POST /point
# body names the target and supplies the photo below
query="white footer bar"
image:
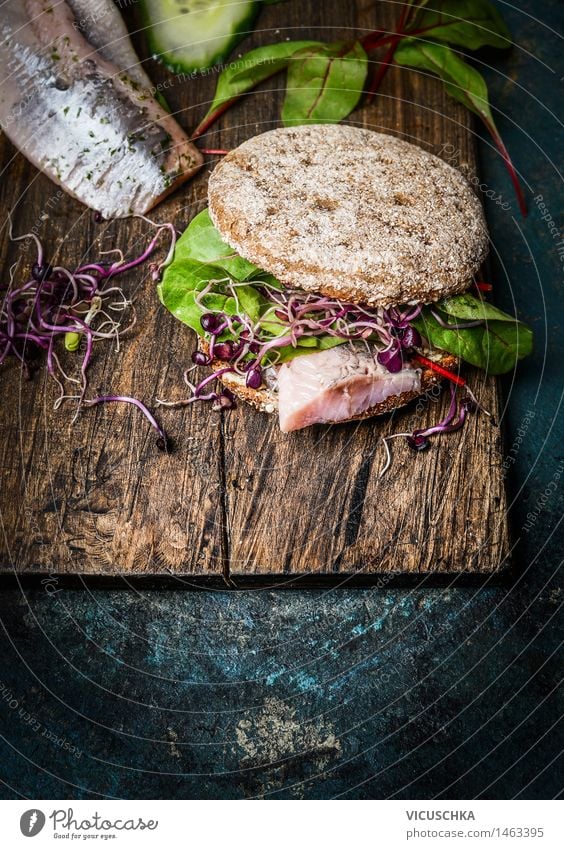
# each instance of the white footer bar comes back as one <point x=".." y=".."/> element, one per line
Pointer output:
<point x="283" y="824"/>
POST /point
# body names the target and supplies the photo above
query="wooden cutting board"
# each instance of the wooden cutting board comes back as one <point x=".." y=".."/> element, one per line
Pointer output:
<point x="236" y="501"/>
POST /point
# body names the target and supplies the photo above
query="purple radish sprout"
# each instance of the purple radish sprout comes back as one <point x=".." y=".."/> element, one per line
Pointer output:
<point x="225" y="400"/>
<point x="454" y="420"/>
<point x="105" y="271"/>
<point x="254" y="377"/>
<point x="40" y="273"/>
<point x="418" y="442"/>
<point x="58" y="302"/>
<point x="162" y="441"/>
<point x="410" y="338"/>
<point x="216" y="374"/>
<point x="200" y="359"/>
<point x="211" y="321"/>
<point x="225" y="350"/>
<point x="391" y="359"/>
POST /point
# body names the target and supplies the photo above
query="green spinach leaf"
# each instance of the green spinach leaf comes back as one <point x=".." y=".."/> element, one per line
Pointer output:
<point x="182" y="280"/>
<point x="325" y="83"/>
<point x="201" y="241"/>
<point x="495" y="346"/>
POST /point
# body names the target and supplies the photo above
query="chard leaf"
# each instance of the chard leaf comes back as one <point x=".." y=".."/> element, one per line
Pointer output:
<point x="495" y="347"/>
<point x="470" y="308"/>
<point x="461" y="80"/>
<point x="245" y="73"/>
<point x="469" y="23"/>
<point x="325" y="83"/>
<point x="464" y="83"/>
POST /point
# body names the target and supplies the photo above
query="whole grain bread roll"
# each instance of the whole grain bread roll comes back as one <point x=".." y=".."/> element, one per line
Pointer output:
<point x="349" y="213"/>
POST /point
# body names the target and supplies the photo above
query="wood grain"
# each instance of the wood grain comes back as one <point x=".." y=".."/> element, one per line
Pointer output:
<point x="236" y="500"/>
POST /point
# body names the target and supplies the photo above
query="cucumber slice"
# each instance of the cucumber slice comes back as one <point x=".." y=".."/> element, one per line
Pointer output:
<point x="194" y="35"/>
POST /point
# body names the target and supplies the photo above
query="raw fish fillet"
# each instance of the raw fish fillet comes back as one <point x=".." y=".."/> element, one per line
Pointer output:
<point x="103" y="27"/>
<point x="337" y="384"/>
<point x="82" y="119"/>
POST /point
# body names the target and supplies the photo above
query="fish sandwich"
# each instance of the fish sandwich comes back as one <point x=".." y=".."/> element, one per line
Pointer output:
<point x="331" y="277"/>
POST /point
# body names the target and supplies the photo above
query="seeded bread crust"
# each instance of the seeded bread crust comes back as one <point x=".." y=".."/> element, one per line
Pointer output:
<point x="266" y="400"/>
<point x="349" y="213"/>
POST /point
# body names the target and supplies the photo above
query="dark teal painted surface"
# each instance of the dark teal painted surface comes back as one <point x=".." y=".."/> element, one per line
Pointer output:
<point x="366" y="693"/>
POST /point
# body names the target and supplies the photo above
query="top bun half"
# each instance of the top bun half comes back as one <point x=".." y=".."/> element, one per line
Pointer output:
<point x="349" y="213"/>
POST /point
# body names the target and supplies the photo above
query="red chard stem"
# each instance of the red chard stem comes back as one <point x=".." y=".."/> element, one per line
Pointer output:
<point x="492" y="129"/>
<point x="374" y="39"/>
<point x="382" y="70"/>
<point x="387" y="60"/>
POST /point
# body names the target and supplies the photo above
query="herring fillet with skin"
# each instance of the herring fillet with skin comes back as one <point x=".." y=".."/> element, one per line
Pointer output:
<point x="103" y="27"/>
<point x="83" y="120"/>
<point x="335" y="385"/>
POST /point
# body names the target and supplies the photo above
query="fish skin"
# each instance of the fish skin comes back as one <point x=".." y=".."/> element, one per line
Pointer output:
<point x="81" y="119"/>
<point x="103" y="27"/>
<point x="335" y="385"/>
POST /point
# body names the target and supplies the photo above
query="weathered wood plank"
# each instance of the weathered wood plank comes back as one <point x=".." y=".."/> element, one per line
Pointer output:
<point x="96" y="497"/>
